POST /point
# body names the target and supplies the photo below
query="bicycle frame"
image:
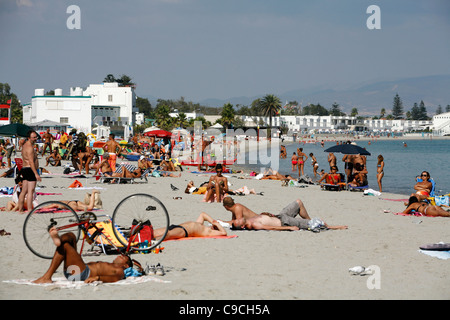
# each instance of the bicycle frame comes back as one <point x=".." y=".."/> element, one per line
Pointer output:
<point x="87" y="224"/>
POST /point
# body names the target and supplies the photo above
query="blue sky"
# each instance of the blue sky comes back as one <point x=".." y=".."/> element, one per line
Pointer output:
<point x="203" y="49"/>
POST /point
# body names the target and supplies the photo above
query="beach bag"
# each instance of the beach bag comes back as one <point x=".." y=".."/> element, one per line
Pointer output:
<point x="145" y="234"/>
<point x="442" y="200"/>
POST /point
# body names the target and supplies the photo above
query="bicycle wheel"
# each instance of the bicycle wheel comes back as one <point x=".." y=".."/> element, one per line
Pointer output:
<point x="39" y="221"/>
<point x="143" y="211"/>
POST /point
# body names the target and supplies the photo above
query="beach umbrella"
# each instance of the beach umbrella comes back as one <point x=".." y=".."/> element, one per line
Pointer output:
<point x="348" y="149"/>
<point x="158" y="133"/>
<point x="15" y="129"/>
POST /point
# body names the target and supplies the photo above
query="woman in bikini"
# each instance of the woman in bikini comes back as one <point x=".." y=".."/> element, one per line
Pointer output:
<point x="380" y="170"/>
<point x="89" y="203"/>
<point x="294" y="160"/>
<point x="301" y="161"/>
<point x="425" y="208"/>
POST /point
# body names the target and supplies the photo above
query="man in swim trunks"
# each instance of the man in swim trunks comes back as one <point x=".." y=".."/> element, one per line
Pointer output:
<point x="423" y="188"/>
<point x="193" y="229"/>
<point x="29" y="171"/>
<point x="285" y="220"/>
<point x="48" y="140"/>
<point x="74" y="266"/>
<point x="104" y="167"/>
<point x="217" y="186"/>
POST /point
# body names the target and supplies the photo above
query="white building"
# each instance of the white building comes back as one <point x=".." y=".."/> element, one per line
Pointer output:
<point x="400" y="125"/>
<point x="303" y="123"/>
<point x="441" y="124"/>
<point x="104" y="104"/>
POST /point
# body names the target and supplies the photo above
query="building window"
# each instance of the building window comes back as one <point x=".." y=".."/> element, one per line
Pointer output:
<point x="63" y="120"/>
<point x="110" y="98"/>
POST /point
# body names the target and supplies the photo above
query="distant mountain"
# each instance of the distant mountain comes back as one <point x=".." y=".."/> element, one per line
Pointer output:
<point x="369" y="99"/>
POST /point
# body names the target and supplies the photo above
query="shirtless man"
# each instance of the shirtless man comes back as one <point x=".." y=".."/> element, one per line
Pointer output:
<point x="29" y="171"/>
<point x="193" y="229"/>
<point x="48" y="140"/>
<point x="114" y="148"/>
<point x="74" y="266"/>
<point x="55" y="158"/>
<point x="423" y="188"/>
<point x="85" y="157"/>
<point x="331" y="160"/>
<point x="285" y="220"/>
<point x="104" y="166"/>
<point x="217" y="185"/>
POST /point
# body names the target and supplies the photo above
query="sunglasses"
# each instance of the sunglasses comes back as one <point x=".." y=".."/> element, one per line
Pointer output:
<point x="424" y="175"/>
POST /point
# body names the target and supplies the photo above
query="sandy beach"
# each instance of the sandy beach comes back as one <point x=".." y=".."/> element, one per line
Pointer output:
<point x="256" y="265"/>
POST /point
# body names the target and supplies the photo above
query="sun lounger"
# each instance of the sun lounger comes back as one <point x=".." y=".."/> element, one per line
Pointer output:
<point x="130" y="168"/>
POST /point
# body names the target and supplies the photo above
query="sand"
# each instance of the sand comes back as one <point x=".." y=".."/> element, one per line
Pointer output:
<point x="257" y="265"/>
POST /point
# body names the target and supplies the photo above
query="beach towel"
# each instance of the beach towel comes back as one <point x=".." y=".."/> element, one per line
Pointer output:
<point x="63" y="283"/>
<point x="443" y="255"/>
<point x="412" y="214"/>
<point x="76" y="184"/>
<point x="212" y="237"/>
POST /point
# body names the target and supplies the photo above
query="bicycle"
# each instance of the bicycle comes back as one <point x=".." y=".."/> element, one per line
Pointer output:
<point x="133" y="219"/>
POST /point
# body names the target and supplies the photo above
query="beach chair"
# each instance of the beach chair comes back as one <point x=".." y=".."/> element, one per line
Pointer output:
<point x="119" y="169"/>
<point x="106" y="226"/>
<point x="18" y="167"/>
<point x="335" y="187"/>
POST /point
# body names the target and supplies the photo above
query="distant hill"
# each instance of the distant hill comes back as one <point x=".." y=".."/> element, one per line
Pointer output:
<point x="367" y="98"/>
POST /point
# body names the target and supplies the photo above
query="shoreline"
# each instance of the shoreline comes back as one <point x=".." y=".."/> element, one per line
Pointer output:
<point x="273" y="265"/>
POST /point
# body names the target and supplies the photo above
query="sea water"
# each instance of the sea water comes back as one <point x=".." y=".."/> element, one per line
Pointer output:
<point x="401" y="164"/>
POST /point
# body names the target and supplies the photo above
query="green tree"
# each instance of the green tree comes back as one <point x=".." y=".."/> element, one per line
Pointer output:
<point x="397" y="108"/>
<point x="354" y="112"/>
<point x="439" y="109"/>
<point x="227" y="115"/>
<point x="16" y="107"/>
<point x="144" y="106"/>
<point x="109" y="78"/>
<point x="270" y="105"/>
<point x="423" y="115"/>
<point x="336" y="110"/>
<point x="415" y="112"/>
<point x="163" y="119"/>
<point x="181" y="120"/>
<point x="382" y="112"/>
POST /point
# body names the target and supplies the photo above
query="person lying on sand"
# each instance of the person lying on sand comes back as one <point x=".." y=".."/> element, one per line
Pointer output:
<point x="76" y="269"/>
<point x="424" y="208"/>
<point x="193" y="229"/>
<point x="285" y="220"/>
<point x="90" y="202"/>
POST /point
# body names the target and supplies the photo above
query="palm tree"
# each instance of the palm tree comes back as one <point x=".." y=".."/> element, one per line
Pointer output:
<point x="270" y="105"/>
<point x="227" y="115"/>
<point x="163" y="119"/>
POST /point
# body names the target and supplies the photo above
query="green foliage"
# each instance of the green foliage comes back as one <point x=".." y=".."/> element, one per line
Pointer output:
<point x="16" y="107"/>
<point x="397" y="108"/>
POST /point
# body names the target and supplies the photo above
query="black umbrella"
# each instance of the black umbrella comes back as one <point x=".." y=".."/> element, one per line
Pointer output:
<point x="348" y="149"/>
<point x="15" y="129"/>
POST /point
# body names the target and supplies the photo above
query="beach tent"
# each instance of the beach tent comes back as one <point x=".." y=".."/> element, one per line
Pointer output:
<point x="15" y="129"/>
<point x="348" y="149"/>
